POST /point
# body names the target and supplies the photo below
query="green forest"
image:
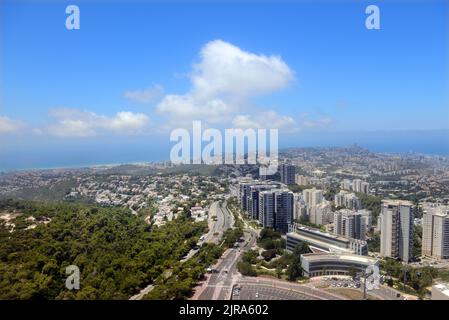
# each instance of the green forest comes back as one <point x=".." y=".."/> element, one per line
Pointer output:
<point x="117" y="252"/>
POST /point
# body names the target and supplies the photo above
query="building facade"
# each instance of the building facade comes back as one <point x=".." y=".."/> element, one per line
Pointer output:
<point x="396" y="229"/>
<point x="350" y="224"/>
<point x="276" y="209"/>
<point x="314" y="264"/>
<point x="435" y="237"/>
<point x="287" y="172"/>
<point x="320" y="241"/>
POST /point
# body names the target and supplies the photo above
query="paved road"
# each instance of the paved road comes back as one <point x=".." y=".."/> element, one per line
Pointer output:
<point x="224" y="221"/>
<point x="142" y="292"/>
<point x="216" y="228"/>
<point x="219" y="285"/>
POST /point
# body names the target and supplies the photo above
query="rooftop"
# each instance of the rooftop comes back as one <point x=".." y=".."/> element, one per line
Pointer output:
<point x="343" y="257"/>
<point x="390" y="202"/>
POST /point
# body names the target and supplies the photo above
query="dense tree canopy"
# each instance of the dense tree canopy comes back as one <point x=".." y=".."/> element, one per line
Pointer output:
<point x="117" y="253"/>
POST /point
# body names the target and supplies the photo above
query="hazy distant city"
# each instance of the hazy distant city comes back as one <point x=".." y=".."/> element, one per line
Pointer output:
<point x="307" y="232"/>
<point x="231" y="151"/>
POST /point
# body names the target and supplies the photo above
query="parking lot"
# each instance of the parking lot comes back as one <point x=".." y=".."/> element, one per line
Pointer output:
<point x="342" y="283"/>
<point x="257" y="292"/>
<point x="345" y="282"/>
<point x="275" y="289"/>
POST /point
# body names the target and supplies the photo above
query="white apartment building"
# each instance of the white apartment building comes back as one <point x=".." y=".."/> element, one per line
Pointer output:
<point x="313" y="197"/>
<point x="321" y="213"/>
<point x="301" y="180"/>
<point x="355" y="185"/>
<point x="300" y="208"/>
<point x="396" y="229"/>
<point x="435" y="224"/>
<point x="350" y="224"/>
<point x="368" y="217"/>
<point x="347" y="200"/>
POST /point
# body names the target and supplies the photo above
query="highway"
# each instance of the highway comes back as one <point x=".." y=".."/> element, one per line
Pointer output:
<point x="224" y="221"/>
<point x="219" y="284"/>
<point x="216" y="228"/>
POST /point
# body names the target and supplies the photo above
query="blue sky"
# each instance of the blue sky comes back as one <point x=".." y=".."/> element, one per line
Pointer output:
<point x="136" y="69"/>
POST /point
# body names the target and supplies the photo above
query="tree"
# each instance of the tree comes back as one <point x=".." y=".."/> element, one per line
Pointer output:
<point x="417" y="241"/>
<point x="390" y="282"/>
<point x="269" y="254"/>
<point x="246" y="269"/>
<point x="352" y="272"/>
<point x="279" y="271"/>
<point x="294" y="270"/>
<point x="116" y="252"/>
<point x="374" y="243"/>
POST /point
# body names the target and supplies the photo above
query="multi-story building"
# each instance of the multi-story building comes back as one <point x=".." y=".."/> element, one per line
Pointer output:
<point x="313" y="197"/>
<point x="334" y="264"/>
<point x="314" y="207"/>
<point x="350" y="224"/>
<point x="435" y="233"/>
<point x="245" y="187"/>
<point x="368" y="218"/>
<point x="276" y="209"/>
<point x="347" y="200"/>
<point x="396" y="229"/>
<point x="346" y="184"/>
<point x="253" y="199"/>
<point x="301" y="180"/>
<point x="355" y="185"/>
<point x="321" y="213"/>
<point x="287" y="172"/>
<point x="249" y="194"/>
<point x="301" y="209"/>
<point x="320" y="241"/>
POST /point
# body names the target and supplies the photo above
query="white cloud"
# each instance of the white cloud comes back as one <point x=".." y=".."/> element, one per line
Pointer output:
<point x="146" y="95"/>
<point x="265" y="120"/>
<point x="8" y="125"/>
<point x="77" y="123"/>
<point x="182" y="109"/>
<point x="222" y="82"/>
<point x="317" y="123"/>
<point x="126" y="121"/>
<point x="226" y="69"/>
<point x="73" y="128"/>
